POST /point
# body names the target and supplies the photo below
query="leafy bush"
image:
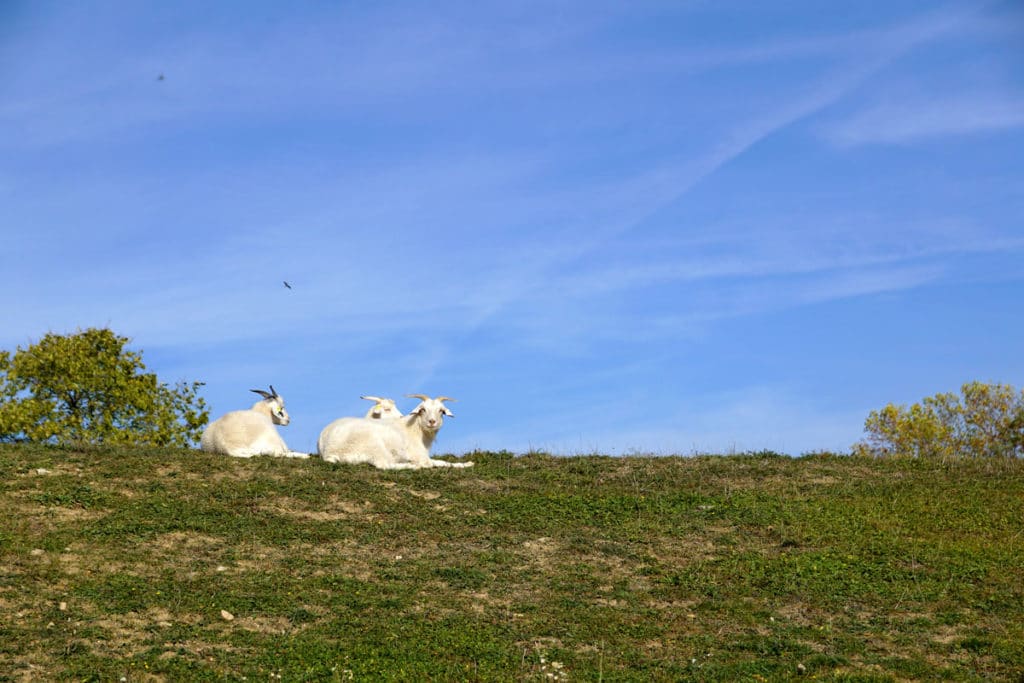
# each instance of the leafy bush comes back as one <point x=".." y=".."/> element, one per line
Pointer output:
<point x="985" y="421"/>
<point x="87" y="388"/>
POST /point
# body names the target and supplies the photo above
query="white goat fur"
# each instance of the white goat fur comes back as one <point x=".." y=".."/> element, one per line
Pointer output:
<point x="245" y="433"/>
<point x="402" y="443"/>
<point x="384" y="407"/>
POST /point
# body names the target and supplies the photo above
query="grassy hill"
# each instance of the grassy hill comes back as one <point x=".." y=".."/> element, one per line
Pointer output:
<point x="145" y="565"/>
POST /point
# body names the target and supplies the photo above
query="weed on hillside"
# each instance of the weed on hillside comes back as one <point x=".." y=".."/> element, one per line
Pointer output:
<point x="151" y="565"/>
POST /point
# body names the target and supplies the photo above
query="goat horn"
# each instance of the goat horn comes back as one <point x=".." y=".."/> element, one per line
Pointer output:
<point x="273" y="391"/>
<point x="372" y="398"/>
<point x="444" y="398"/>
<point x="261" y="393"/>
<point x="419" y="396"/>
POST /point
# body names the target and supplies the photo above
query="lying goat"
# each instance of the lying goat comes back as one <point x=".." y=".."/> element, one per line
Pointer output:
<point x="400" y="443"/>
<point x="245" y="433"/>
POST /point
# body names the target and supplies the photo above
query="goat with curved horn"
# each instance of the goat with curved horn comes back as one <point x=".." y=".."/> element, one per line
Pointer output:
<point x="273" y="393"/>
<point x="427" y="398"/>
<point x="245" y="433"/>
<point x="393" y="444"/>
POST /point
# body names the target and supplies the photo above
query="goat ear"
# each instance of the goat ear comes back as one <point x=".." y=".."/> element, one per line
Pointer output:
<point x="447" y="412"/>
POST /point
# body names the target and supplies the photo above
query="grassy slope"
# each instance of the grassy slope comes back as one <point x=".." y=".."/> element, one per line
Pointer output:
<point x="528" y="568"/>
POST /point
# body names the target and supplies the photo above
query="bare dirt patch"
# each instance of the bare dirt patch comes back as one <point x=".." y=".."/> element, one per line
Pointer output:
<point x="425" y="495"/>
<point x="128" y="634"/>
<point x="697" y="547"/>
<point x="51" y="516"/>
<point x="480" y="485"/>
<point x="332" y="509"/>
<point x="541" y="551"/>
<point x="188" y="545"/>
<point x="264" y="624"/>
<point x="56" y="469"/>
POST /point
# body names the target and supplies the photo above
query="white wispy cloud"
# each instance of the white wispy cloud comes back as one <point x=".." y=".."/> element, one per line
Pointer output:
<point x="668" y="182"/>
<point x="946" y="115"/>
<point x="779" y="247"/>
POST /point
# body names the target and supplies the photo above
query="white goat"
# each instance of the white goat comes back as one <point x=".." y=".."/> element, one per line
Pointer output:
<point x="402" y="443"/>
<point x="245" y="433"/>
<point x="384" y="407"/>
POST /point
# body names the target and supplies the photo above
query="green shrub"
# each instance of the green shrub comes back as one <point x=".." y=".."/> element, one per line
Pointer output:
<point x="87" y="388"/>
<point x="985" y="421"/>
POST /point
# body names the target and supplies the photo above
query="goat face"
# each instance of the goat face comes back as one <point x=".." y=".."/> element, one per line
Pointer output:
<point x="430" y="413"/>
<point x="278" y="415"/>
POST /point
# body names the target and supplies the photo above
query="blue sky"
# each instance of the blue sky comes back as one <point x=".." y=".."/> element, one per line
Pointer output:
<point x="644" y="227"/>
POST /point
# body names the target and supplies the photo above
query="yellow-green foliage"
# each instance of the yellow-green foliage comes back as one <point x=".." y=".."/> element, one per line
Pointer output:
<point x="88" y="388"/>
<point x="986" y="420"/>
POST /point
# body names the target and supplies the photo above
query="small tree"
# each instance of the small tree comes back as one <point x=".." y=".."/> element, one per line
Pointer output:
<point x="985" y="421"/>
<point x="88" y="388"/>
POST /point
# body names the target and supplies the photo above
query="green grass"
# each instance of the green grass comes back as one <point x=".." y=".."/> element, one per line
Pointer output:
<point x="741" y="568"/>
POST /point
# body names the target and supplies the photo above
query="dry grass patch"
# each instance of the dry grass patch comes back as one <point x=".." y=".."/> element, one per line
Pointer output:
<point x="331" y="508"/>
<point x="43" y="518"/>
